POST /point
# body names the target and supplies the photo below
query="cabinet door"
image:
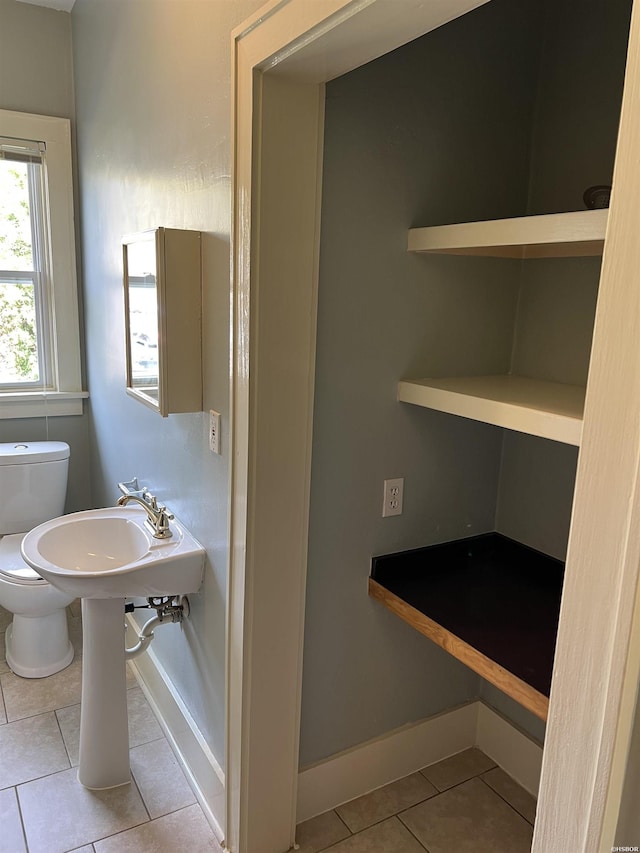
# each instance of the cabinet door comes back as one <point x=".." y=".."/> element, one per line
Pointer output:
<point x="162" y="287"/>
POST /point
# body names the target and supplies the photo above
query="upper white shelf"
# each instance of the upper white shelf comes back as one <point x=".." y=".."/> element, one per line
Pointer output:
<point x="555" y="235"/>
<point x="546" y="409"/>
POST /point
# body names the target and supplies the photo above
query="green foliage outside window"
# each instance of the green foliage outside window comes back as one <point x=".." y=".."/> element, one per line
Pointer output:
<point x="18" y="341"/>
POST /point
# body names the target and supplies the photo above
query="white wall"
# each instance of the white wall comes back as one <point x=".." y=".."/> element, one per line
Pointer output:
<point x="152" y="94"/>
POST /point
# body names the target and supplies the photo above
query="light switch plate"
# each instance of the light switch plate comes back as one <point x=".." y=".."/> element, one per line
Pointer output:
<point x="214" y="432"/>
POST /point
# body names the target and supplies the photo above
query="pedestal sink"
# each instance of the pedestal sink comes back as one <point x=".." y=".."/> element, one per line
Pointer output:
<point x="104" y="556"/>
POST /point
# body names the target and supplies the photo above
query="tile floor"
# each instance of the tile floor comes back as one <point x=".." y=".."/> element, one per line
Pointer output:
<point x="464" y="804"/>
<point x="43" y="807"/>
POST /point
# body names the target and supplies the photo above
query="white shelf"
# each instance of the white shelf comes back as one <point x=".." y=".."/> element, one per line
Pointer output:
<point x="546" y="409"/>
<point x="555" y="235"/>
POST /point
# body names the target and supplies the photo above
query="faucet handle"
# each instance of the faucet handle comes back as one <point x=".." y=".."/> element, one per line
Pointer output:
<point x="162" y="528"/>
<point x="150" y="499"/>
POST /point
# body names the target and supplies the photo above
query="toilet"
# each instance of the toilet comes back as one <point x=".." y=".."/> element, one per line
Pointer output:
<point x="33" y="486"/>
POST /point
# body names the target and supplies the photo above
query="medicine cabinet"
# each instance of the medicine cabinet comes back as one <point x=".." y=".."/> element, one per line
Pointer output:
<point x="163" y="319"/>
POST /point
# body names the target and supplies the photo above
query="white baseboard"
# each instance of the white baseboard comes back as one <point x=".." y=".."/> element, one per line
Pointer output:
<point x="511" y="749"/>
<point x="371" y="765"/>
<point x="201" y="768"/>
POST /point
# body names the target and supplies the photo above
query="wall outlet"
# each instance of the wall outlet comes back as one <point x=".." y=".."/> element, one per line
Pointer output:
<point x="393" y="493"/>
<point x="214" y="431"/>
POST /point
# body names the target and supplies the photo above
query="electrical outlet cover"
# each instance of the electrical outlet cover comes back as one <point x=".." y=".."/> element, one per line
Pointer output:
<point x="393" y="496"/>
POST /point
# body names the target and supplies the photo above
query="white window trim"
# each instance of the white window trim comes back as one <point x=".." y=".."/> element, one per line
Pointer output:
<point x="66" y="396"/>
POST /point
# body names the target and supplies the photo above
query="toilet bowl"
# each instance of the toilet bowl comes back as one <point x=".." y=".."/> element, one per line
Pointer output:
<point x="33" y="483"/>
<point x="37" y="640"/>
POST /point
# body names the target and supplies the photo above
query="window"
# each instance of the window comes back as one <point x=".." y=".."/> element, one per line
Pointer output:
<point x="39" y="333"/>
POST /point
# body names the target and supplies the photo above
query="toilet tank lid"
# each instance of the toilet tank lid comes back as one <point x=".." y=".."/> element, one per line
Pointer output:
<point x="28" y="452"/>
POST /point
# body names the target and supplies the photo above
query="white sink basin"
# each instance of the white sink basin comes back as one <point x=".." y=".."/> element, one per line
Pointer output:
<point x="104" y="556"/>
<point x="110" y="553"/>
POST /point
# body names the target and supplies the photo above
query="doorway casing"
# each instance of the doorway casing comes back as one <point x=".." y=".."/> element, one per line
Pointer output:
<point x="282" y="58"/>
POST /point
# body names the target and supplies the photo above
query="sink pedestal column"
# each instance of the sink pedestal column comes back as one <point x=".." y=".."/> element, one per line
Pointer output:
<point x="104" y="734"/>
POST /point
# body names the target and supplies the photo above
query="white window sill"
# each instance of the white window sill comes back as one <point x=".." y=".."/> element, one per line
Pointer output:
<point x="40" y="404"/>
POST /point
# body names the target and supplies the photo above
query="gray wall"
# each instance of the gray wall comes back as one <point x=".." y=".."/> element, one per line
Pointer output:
<point x="152" y="97"/>
<point x="152" y="89"/>
<point x="35" y="60"/>
<point x="397" y="139"/>
<point x="573" y="147"/>
<point x="36" y="77"/>
<point x="462" y="124"/>
<point x="578" y="106"/>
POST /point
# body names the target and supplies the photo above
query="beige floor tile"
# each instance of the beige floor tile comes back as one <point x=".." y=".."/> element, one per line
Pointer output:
<point x="386" y="801"/>
<point x="452" y="771"/>
<point x="75" y="633"/>
<point x="131" y="679"/>
<point x="4" y="666"/>
<point x="26" y="697"/>
<point x="509" y="790"/>
<point x="143" y="726"/>
<point x="469" y="818"/>
<point x="161" y="782"/>
<point x="75" y="608"/>
<point x="81" y="816"/>
<point x="11" y="835"/>
<point x="183" y="830"/>
<point x="320" y="832"/>
<point x="29" y="749"/>
<point x="69" y="722"/>
<point x="390" y="836"/>
<point x="3" y="715"/>
<point x="5" y="619"/>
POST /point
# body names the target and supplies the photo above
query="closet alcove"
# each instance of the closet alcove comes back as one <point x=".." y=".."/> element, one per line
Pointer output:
<point x="492" y="599"/>
<point x="455" y="327"/>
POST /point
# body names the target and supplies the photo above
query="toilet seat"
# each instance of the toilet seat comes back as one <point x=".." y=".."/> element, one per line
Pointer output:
<point x="12" y="566"/>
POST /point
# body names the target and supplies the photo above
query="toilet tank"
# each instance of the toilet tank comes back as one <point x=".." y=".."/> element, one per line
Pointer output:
<point x="33" y="483"/>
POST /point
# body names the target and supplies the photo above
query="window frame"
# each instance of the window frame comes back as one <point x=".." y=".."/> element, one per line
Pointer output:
<point x="64" y="394"/>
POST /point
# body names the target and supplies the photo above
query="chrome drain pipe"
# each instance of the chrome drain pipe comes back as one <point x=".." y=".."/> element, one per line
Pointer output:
<point x="167" y="612"/>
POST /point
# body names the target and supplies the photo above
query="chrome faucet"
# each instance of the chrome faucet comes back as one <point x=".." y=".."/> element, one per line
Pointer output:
<point x="157" y="516"/>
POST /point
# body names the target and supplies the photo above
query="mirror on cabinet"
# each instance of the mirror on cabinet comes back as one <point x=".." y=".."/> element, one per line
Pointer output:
<point x="162" y="296"/>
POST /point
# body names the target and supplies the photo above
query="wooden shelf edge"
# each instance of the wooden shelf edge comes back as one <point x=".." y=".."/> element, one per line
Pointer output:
<point x="559" y="424"/>
<point x="518" y="690"/>
<point x="575" y="234"/>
